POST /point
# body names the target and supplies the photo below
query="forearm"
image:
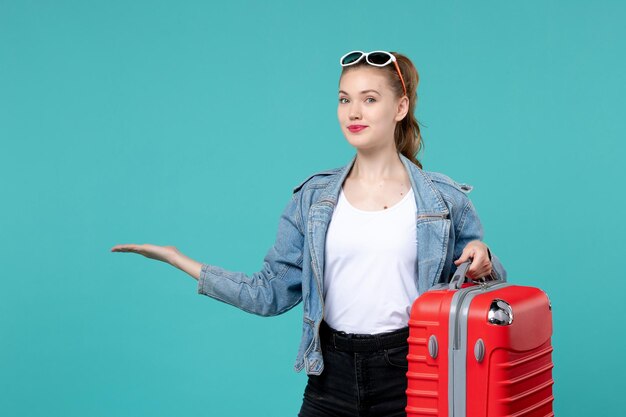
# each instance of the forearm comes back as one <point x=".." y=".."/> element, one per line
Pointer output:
<point x="188" y="265"/>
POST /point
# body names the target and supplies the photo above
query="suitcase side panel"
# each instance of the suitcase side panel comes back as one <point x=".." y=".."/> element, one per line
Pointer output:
<point x="514" y="378"/>
<point x="427" y="376"/>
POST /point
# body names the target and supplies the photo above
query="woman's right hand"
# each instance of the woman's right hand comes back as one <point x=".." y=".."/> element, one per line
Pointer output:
<point x="161" y="253"/>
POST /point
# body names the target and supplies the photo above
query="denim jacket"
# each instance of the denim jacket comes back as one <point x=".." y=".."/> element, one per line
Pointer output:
<point x="293" y="269"/>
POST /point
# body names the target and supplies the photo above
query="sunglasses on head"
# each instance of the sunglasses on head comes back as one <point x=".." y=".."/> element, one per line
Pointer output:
<point x="375" y="58"/>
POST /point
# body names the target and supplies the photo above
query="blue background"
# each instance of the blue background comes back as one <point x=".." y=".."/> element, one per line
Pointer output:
<point x="189" y="123"/>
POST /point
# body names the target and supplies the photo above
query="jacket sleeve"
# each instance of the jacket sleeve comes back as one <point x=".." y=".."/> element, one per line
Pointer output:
<point x="470" y="228"/>
<point x="274" y="289"/>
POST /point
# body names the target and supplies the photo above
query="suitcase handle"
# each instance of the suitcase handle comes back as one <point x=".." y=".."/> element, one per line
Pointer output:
<point x="459" y="275"/>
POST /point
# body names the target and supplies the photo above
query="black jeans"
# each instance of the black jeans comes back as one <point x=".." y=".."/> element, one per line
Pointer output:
<point x="371" y="383"/>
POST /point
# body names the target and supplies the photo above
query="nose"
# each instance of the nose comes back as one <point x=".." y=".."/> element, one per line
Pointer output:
<point x="355" y="113"/>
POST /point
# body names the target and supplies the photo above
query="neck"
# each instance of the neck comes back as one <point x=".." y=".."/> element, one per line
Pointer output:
<point x="379" y="165"/>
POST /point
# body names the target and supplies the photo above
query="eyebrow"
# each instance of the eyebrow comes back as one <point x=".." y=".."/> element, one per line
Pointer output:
<point x="362" y="92"/>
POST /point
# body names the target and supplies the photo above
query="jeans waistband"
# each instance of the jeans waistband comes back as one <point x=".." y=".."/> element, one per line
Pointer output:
<point x="353" y="342"/>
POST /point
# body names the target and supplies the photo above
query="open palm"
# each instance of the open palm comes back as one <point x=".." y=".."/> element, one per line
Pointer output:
<point x="160" y="253"/>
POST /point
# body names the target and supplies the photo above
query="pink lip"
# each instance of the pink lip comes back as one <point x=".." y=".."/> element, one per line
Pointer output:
<point x="356" y="128"/>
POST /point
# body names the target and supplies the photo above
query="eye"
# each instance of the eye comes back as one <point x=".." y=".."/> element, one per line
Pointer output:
<point x="341" y="100"/>
<point x="370" y="98"/>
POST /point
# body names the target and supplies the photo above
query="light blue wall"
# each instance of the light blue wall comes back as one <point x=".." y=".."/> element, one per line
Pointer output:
<point x="188" y="124"/>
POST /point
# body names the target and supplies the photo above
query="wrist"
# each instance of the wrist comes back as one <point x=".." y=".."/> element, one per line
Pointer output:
<point x="176" y="259"/>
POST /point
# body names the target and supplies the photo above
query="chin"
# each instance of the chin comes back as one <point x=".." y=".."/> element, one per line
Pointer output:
<point x="355" y="140"/>
<point x="361" y="144"/>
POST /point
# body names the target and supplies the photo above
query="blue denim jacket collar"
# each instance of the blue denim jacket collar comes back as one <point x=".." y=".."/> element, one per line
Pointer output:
<point x="428" y="199"/>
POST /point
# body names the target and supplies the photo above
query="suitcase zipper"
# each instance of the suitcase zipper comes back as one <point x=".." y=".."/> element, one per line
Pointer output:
<point x="456" y="343"/>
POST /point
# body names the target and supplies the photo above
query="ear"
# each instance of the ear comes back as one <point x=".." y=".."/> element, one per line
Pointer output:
<point x="402" y="109"/>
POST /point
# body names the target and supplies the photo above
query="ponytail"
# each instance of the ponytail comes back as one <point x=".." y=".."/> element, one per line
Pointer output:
<point x="407" y="134"/>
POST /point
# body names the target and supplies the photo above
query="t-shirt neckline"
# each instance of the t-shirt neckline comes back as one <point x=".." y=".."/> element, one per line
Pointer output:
<point x="387" y="210"/>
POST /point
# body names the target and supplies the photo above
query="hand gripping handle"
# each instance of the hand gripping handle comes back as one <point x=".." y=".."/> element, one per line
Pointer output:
<point x="459" y="275"/>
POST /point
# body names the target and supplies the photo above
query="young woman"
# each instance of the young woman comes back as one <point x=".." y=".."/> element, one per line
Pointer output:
<point x="357" y="245"/>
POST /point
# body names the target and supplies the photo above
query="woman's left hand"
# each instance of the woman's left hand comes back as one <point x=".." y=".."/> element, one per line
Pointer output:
<point x="479" y="254"/>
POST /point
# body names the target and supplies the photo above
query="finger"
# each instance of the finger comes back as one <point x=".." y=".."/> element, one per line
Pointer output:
<point x="478" y="268"/>
<point x="480" y="271"/>
<point x="461" y="259"/>
<point x="125" y="248"/>
<point x="488" y="269"/>
<point x="465" y="255"/>
<point x="472" y="272"/>
<point x="480" y="261"/>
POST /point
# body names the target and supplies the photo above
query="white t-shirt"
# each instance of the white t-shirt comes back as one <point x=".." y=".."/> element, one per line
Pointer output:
<point x="370" y="267"/>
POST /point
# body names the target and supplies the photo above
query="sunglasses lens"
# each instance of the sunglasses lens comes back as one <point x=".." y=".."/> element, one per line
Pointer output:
<point x="351" y="58"/>
<point x="378" y="58"/>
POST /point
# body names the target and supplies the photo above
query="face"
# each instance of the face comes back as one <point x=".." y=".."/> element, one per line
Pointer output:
<point x="366" y="99"/>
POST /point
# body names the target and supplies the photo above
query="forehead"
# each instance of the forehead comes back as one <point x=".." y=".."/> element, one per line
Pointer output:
<point x="363" y="78"/>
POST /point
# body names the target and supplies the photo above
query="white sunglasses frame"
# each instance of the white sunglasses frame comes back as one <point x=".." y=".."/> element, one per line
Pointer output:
<point x="392" y="58"/>
<point x="366" y="55"/>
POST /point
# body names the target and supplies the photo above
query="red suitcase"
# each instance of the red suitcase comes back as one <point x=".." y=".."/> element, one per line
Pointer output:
<point x="478" y="350"/>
